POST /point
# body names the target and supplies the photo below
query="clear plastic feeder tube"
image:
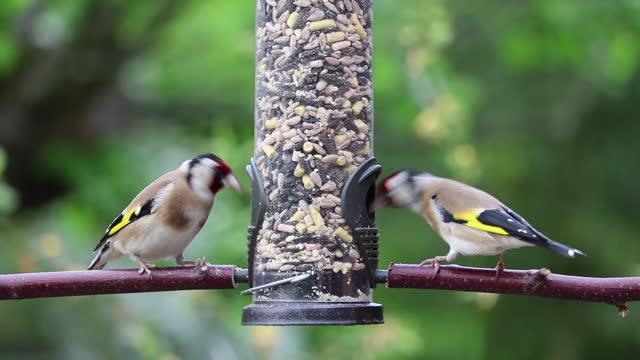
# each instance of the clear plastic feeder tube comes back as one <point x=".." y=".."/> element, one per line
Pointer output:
<point x="313" y="136"/>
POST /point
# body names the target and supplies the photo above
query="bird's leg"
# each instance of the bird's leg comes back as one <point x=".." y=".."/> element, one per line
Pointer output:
<point x="144" y="266"/>
<point x="499" y="266"/>
<point x="451" y="255"/>
<point x="182" y="262"/>
<point x="200" y="262"/>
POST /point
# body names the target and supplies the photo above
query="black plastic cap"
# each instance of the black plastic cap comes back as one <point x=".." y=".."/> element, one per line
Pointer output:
<point x="357" y="196"/>
<point x="311" y="313"/>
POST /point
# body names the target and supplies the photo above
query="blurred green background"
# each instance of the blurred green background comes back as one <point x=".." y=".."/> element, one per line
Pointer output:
<point x="535" y="101"/>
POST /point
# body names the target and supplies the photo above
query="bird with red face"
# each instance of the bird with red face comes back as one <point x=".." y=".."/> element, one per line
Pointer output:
<point x="165" y="216"/>
<point x="470" y="220"/>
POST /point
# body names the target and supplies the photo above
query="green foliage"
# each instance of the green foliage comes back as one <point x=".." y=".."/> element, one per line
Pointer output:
<point x="7" y="53"/>
<point x="8" y="197"/>
<point x="205" y="29"/>
<point x="556" y="35"/>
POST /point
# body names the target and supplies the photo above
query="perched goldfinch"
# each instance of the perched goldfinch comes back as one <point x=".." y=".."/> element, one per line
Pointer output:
<point x="471" y="221"/>
<point x="166" y="215"/>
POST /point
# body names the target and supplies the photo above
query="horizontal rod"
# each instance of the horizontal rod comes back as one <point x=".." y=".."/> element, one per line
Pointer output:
<point x="97" y="282"/>
<point x="541" y="283"/>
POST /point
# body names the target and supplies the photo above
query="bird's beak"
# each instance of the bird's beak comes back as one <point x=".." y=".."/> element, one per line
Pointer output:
<point x="378" y="203"/>
<point x="231" y="182"/>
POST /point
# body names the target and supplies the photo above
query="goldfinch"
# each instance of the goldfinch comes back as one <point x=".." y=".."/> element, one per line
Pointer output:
<point x="471" y="221"/>
<point x="166" y="215"/>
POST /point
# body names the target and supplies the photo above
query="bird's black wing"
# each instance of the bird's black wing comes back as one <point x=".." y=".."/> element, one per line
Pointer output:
<point x="126" y="218"/>
<point x="513" y="224"/>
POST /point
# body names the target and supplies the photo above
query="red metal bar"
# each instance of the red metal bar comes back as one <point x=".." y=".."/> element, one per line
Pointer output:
<point x="75" y="283"/>
<point x="615" y="291"/>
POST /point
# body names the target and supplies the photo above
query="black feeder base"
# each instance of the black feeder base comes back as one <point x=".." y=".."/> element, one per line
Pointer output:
<point x="312" y="313"/>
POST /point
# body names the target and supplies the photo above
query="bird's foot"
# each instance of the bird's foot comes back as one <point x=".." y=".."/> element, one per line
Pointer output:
<point x="435" y="262"/>
<point x="200" y="262"/>
<point x="144" y="266"/>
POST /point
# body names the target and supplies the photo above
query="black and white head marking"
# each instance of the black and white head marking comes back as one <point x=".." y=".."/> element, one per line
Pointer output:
<point x="400" y="189"/>
<point x="205" y="174"/>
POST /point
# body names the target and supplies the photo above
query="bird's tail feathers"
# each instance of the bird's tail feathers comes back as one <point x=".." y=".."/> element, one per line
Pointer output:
<point x="95" y="265"/>
<point x="103" y="255"/>
<point x="562" y="249"/>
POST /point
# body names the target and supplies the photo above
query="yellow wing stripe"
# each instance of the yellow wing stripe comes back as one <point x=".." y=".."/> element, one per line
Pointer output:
<point x="126" y="220"/>
<point x="472" y="221"/>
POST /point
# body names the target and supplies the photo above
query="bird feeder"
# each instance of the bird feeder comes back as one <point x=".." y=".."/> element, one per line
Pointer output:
<point x="313" y="246"/>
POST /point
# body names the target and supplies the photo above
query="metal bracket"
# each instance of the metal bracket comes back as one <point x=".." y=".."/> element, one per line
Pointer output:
<point x="291" y="280"/>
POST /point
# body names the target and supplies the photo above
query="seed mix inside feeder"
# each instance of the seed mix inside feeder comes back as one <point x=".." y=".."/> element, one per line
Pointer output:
<point x="312" y="243"/>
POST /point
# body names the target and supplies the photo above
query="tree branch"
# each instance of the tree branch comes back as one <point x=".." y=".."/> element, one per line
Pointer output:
<point x="541" y="283"/>
<point x="75" y="283"/>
